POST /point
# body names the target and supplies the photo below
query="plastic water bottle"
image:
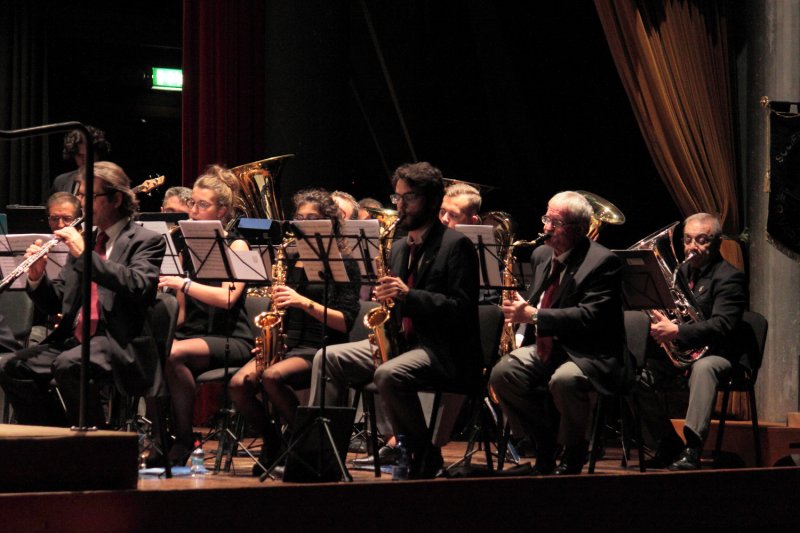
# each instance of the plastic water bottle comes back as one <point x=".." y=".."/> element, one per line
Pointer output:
<point x="197" y="459"/>
<point x="400" y="470"/>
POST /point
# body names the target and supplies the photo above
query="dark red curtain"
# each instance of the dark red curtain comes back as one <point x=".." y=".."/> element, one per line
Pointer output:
<point x="223" y="84"/>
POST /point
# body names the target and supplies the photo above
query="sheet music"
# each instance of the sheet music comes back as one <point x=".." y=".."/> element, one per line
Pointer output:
<point x="308" y="248"/>
<point x="7" y="265"/>
<point x="266" y="259"/>
<point x="358" y="246"/>
<point x="247" y="265"/>
<point x="485" y="234"/>
<point x="19" y="242"/>
<point x="200" y="237"/>
<point x="171" y="264"/>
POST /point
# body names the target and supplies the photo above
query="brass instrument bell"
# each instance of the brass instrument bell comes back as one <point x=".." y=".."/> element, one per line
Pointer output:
<point x="604" y="212"/>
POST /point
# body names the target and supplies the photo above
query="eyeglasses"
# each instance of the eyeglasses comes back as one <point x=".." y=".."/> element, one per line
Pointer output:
<point x="309" y="217"/>
<point x="701" y="239"/>
<point x="555" y="223"/>
<point x="407" y="197"/>
<point x="95" y="195"/>
<point x="56" y="219"/>
<point x="201" y="205"/>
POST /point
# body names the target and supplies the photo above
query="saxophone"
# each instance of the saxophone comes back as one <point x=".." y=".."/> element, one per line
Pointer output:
<point x="383" y="338"/>
<point x="272" y="342"/>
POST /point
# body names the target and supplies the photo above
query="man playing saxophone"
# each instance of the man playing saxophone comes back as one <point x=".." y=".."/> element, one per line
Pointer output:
<point x="434" y="284"/>
<point x="572" y="339"/>
<point x="719" y="290"/>
<point x="302" y="305"/>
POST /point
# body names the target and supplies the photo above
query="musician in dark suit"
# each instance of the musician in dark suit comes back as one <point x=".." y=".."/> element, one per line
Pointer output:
<point x="126" y="285"/>
<point x="719" y="291"/>
<point x="434" y="282"/>
<point x="572" y="339"/>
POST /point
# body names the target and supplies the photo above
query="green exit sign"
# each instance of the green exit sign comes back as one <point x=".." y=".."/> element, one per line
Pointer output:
<point x="167" y="79"/>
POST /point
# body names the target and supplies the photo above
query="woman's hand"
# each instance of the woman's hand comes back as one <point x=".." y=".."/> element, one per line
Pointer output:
<point x="284" y="297"/>
<point x="171" y="282"/>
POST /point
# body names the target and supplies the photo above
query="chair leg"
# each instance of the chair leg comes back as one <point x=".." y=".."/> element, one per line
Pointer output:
<point x="751" y="393"/>
<point x="722" y="418"/>
<point x="369" y="405"/>
<point x="596" y="425"/>
<point x="162" y="435"/>
<point x="437" y="399"/>
<point x="633" y="405"/>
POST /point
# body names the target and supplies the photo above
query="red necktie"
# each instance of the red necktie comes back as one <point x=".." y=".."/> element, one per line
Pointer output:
<point x="100" y="249"/>
<point x="413" y="248"/>
<point x="544" y="345"/>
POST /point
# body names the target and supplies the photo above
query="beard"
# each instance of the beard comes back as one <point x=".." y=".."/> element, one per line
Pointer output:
<point x="413" y="221"/>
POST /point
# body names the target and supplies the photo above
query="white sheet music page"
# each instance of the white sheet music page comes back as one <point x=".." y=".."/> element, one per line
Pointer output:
<point x="309" y="249"/>
<point x="476" y="234"/>
<point x="361" y="238"/>
<point x="7" y="265"/>
<point x="201" y="241"/>
<point x="171" y="264"/>
<point x="247" y="265"/>
<point x="17" y="243"/>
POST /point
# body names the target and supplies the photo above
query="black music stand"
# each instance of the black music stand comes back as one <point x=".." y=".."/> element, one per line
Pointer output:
<point x="643" y="284"/>
<point x="214" y="260"/>
<point x="316" y="242"/>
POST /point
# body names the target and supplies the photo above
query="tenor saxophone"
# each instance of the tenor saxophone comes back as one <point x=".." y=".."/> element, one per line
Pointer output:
<point x="383" y="338"/>
<point x="271" y="343"/>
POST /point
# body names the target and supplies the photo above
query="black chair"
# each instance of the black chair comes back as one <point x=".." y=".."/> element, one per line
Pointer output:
<point x="163" y="318"/>
<point x="228" y="421"/>
<point x="637" y="331"/>
<point x="17" y="309"/>
<point x="751" y="336"/>
<point x="477" y="389"/>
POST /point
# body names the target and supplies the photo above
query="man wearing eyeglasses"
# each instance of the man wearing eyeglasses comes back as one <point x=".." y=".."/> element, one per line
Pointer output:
<point x="62" y="210"/>
<point x="571" y="339"/>
<point x="126" y="259"/>
<point x="434" y="286"/>
<point x="719" y="291"/>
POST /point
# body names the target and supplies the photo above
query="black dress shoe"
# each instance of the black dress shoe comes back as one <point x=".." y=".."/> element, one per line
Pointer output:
<point x="543" y="468"/>
<point x="667" y="453"/>
<point x="572" y="461"/>
<point x="387" y="455"/>
<point x="688" y="460"/>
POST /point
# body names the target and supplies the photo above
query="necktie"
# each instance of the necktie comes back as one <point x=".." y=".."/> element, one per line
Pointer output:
<point x="413" y="250"/>
<point x="544" y="345"/>
<point x="100" y="249"/>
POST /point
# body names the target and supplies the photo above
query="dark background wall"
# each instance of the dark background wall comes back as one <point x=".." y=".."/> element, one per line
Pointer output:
<point x="521" y="97"/>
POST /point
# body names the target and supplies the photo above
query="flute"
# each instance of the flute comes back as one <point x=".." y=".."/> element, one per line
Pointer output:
<point x="27" y="263"/>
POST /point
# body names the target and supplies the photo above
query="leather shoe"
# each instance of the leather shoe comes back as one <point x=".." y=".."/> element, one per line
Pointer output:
<point x="572" y="461"/>
<point x="688" y="460"/>
<point x="543" y="468"/>
<point x="387" y="455"/>
<point x="665" y="456"/>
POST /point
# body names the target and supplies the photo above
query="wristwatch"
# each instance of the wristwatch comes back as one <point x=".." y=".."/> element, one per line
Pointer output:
<point x="534" y="317"/>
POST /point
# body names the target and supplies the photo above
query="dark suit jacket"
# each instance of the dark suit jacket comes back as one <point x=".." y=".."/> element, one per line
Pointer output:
<point x="443" y="305"/>
<point x="586" y="316"/>
<point x="720" y="294"/>
<point x="127" y="284"/>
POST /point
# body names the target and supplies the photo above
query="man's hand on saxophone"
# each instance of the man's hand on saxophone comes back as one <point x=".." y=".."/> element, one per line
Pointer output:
<point x="390" y="287"/>
<point x="517" y="311"/>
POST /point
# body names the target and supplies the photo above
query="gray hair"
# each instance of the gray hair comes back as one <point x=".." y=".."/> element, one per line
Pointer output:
<point x="706" y="218"/>
<point x="578" y="208"/>
<point x="184" y="194"/>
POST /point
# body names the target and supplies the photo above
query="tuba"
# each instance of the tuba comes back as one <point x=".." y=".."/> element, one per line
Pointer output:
<point x="260" y="192"/>
<point x="272" y="341"/>
<point x="603" y="212"/>
<point x="685" y="310"/>
<point x="383" y="338"/>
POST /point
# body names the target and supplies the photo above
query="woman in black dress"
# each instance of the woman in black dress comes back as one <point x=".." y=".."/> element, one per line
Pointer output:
<point x="302" y="325"/>
<point x="212" y="319"/>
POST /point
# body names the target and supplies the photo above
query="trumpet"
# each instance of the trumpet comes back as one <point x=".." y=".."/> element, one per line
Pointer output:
<point x="28" y="263"/>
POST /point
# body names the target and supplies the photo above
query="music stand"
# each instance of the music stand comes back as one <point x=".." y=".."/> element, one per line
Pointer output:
<point x="214" y="260"/>
<point x="322" y="262"/>
<point x="485" y="242"/>
<point x="12" y="250"/>
<point x="643" y="284"/>
<point x="361" y="239"/>
<point x="171" y="263"/>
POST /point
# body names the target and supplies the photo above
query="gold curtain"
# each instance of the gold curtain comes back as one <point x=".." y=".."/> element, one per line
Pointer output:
<point x="672" y="56"/>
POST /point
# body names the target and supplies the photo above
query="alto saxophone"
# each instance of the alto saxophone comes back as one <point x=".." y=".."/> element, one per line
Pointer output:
<point x="271" y="343"/>
<point x="383" y="338"/>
